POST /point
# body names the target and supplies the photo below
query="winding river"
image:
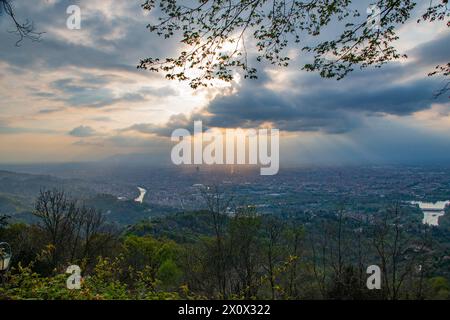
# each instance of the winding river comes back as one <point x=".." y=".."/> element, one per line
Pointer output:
<point x="142" y="191"/>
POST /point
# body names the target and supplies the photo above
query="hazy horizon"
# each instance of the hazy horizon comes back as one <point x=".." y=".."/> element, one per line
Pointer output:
<point x="77" y="96"/>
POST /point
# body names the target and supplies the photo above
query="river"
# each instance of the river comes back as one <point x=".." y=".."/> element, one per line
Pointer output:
<point x="142" y="191"/>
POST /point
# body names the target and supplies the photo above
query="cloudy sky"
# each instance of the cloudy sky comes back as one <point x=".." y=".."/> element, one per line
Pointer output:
<point x="77" y="95"/>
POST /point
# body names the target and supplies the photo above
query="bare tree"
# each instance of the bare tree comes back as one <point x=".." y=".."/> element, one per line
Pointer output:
<point x="3" y="220"/>
<point x="217" y="204"/>
<point x="245" y="252"/>
<point x="75" y="233"/>
<point x="25" y="30"/>
<point x="399" y="253"/>
<point x="295" y="238"/>
<point x="54" y="210"/>
<point x="89" y="233"/>
<point x="319" y="244"/>
<point x="273" y="229"/>
<point x="444" y="71"/>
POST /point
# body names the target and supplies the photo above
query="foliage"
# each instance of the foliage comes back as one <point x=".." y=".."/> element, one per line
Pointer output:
<point x="243" y="255"/>
<point x="215" y="35"/>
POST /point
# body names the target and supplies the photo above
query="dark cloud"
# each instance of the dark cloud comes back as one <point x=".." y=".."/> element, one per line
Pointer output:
<point x="175" y="121"/>
<point x="310" y="103"/>
<point x="87" y="92"/>
<point x="83" y="131"/>
<point x="327" y="109"/>
<point x="51" y="110"/>
<point x="103" y="52"/>
<point x="433" y="52"/>
<point x="307" y="103"/>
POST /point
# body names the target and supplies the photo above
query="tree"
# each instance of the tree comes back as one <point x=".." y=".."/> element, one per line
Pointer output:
<point x="294" y="236"/>
<point x="340" y="249"/>
<point x="272" y="250"/>
<point x="216" y="34"/>
<point x="245" y="256"/>
<point x="54" y="210"/>
<point x="400" y="254"/>
<point x="74" y="233"/>
<point x="25" y="30"/>
<point x="443" y="71"/>
<point x="439" y="287"/>
<point x="217" y="204"/>
<point x="151" y="259"/>
<point x="3" y="221"/>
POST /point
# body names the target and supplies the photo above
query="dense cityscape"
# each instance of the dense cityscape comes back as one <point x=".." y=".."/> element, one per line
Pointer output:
<point x="293" y="191"/>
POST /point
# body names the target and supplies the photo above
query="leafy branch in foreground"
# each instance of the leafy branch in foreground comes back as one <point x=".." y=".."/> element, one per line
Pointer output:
<point x="25" y="30"/>
<point x="215" y="32"/>
<point x="439" y="12"/>
<point x="445" y="72"/>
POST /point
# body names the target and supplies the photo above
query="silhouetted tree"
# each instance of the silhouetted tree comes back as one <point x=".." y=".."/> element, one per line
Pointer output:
<point x="3" y="221"/>
<point x="25" y="30"/>
<point x="74" y="233"/>
<point x="217" y="204"/>
<point x="216" y="34"/>
<point x="245" y="252"/>
<point x="399" y="252"/>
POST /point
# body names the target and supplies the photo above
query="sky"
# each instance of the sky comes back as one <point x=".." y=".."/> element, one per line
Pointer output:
<point x="78" y="96"/>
